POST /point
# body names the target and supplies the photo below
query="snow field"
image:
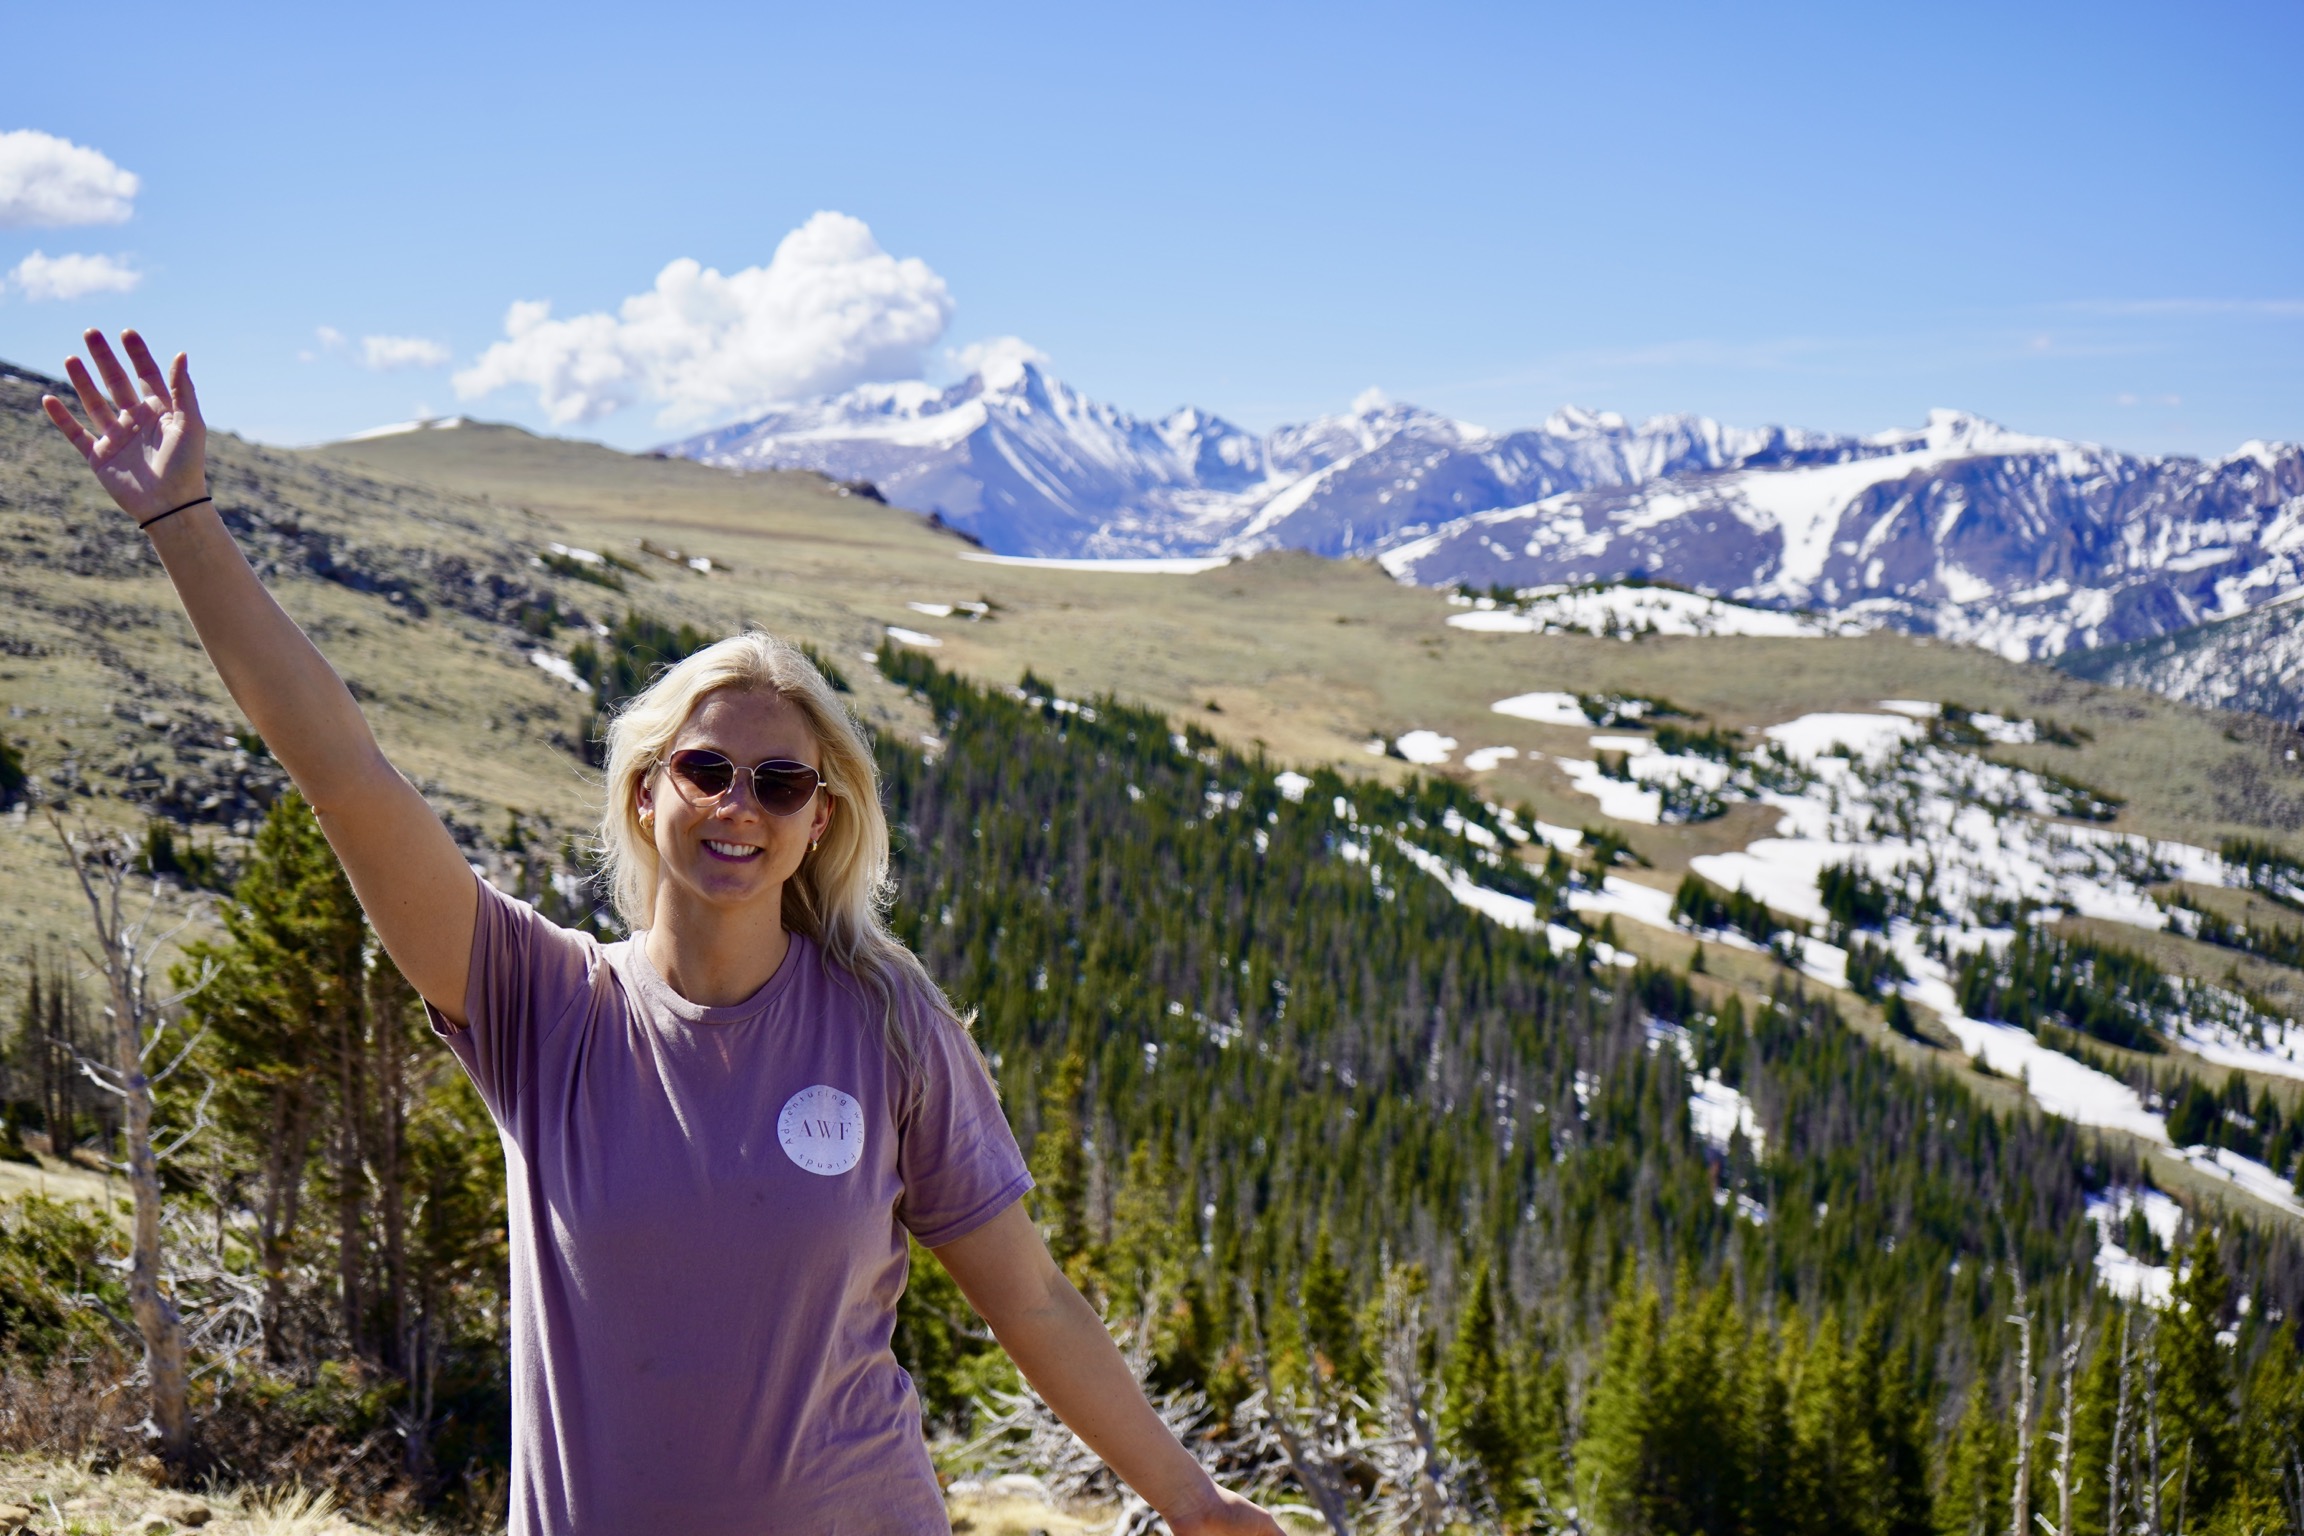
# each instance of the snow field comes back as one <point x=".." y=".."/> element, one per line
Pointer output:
<point x="1153" y="565"/>
<point x="1632" y="611"/>
<point x="1871" y="790"/>
<point x="2244" y="1173"/>
<point x="1882" y="797"/>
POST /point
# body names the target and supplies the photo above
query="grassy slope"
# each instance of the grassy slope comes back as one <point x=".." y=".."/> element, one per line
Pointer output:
<point x="1312" y="656"/>
<point x="1305" y="657"/>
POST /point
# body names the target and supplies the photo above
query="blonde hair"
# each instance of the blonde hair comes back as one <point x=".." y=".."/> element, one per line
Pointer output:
<point x="841" y="893"/>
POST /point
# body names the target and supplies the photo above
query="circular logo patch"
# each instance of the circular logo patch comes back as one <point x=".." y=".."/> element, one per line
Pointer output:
<point x="822" y="1130"/>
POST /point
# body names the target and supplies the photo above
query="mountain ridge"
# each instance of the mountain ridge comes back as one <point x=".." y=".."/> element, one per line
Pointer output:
<point x="1960" y="527"/>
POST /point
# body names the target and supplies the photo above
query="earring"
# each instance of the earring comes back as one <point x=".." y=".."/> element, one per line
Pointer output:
<point x="818" y="843"/>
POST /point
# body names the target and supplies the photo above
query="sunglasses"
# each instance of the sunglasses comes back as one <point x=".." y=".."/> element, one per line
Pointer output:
<point x="781" y="786"/>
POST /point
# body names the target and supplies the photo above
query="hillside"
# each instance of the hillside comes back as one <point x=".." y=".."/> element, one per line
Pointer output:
<point x="418" y="560"/>
<point x="1515" y="938"/>
<point x="2254" y="663"/>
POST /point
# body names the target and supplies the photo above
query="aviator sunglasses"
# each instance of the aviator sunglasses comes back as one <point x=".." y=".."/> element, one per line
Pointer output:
<point x="780" y="785"/>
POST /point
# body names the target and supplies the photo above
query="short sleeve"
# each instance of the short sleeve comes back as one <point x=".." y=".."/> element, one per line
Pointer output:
<point x="955" y="1153"/>
<point x="528" y="973"/>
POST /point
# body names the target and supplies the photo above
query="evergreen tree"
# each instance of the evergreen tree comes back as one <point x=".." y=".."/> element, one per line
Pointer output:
<point x="1763" y="1409"/>
<point x="290" y="972"/>
<point x="1329" y="1325"/>
<point x="2269" y="1469"/>
<point x="1616" y="1472"/>
<point x="1974" y="1496"/>
<point x="1885" y="1392"/>
<point x="1547" y="1449"/>
<point x="1059" y="1165"/>
<point x="2197" y="1432"/>
<point x="1697" y="1446"/>
<point x="2095" y="1425"/>
<point x="1479" y="1419"/>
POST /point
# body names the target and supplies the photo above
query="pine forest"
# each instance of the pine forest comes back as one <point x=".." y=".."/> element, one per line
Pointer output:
<point x="1410" y="1219"/>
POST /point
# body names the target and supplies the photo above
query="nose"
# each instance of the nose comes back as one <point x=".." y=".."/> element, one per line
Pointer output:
<point x="740" y="798"/>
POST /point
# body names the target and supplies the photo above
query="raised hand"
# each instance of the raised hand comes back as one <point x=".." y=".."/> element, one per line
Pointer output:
<point x="150" y="447"/>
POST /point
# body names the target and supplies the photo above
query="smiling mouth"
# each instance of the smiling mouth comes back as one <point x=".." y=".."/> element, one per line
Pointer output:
<point x="734" y="852"/>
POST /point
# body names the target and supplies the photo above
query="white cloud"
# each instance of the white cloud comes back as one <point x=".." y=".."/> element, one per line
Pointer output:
<point x="400" y="352"/>
<point x="48" y="182"/>
<point x="330" y="337"/>
<point x="830" y="309"/>
<point x="72" y="276"/>
<point x="998" y="354"/>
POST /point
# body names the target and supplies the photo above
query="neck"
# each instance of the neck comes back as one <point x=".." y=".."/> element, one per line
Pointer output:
<point x="715" y="956"/>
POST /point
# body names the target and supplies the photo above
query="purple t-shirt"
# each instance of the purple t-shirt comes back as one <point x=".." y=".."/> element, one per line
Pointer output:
<point x="708" y="1209"/>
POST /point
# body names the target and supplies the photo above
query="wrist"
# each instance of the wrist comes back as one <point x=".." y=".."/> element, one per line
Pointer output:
<point x="181" y="504"/>
<point x="1186" y="1507"/>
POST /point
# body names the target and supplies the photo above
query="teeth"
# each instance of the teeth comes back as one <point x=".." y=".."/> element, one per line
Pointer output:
<point x="731" y="850"/>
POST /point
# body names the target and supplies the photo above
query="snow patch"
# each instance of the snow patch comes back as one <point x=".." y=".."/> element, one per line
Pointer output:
<point x="558" y="666"/>
<point x="1717" y="1112"/>
<point x="1544" y="708"/>
<point x="1150" y="565"/>
<point x="1869" y="736"/>
<point x="1426" y="749"/>
<point x="2119" y="1271"/>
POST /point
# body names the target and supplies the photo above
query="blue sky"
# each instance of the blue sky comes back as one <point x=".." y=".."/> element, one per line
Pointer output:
<point x="2080" y="220"/>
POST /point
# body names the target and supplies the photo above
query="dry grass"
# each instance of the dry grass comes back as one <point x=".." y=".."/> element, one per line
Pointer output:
<point x="86" y="1498"/>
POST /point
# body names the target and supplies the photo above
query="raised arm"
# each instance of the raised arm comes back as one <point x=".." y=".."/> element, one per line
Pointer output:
<point x="149" y="450"/>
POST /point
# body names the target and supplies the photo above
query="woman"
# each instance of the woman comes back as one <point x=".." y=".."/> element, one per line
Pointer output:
<point x="717" y="1132"/>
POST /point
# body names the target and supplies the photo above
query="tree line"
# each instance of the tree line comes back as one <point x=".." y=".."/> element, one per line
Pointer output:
<point x="1315" y="1136"/>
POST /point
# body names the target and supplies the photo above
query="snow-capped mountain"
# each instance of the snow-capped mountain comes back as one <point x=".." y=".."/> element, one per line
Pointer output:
<point x="2254" y="662"/>
<point x="2026" y="545"/>
<point x="1016" y="458"/>
<point x="1020" y="460"/>
<point x="1961" y="528"/>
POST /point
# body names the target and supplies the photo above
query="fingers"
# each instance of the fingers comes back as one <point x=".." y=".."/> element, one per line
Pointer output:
<point x="124" y="392"/>
<point x="92" y="402"/>
<point x="180" y="386"/>
<point x="61" y="415"/>
<point x="147" y="370"/>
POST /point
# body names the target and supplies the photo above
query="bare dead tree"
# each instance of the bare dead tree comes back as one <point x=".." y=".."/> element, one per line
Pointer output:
<point x="1316" y="1438"/>
<point x="2151" y="1436"/>
<point x="2020" y="1497"/>
<point x="1019" y="1432"/>
<point x="1377" y="1469"/>
<point x="1420" y="1489"/>
<point x="2068" y="1362"/>
<point x="141" y="1021"/>
<point x="2121" y="1428"/>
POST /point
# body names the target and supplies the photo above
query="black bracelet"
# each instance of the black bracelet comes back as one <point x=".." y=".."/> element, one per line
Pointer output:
<point x="172" y="511"/>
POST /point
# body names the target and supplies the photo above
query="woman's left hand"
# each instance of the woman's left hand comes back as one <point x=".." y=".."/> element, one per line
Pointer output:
<point x="1229" y="1515"/>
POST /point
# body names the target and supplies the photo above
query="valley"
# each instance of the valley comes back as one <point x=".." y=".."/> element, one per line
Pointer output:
<point x="1720" y="915"/>
<point x="424" y="563"/>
